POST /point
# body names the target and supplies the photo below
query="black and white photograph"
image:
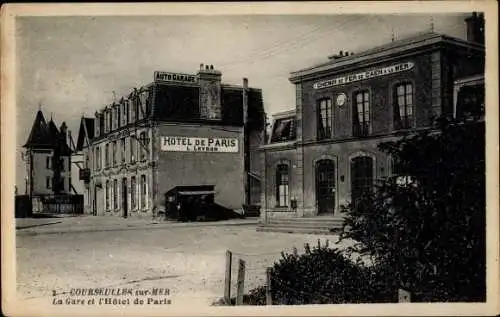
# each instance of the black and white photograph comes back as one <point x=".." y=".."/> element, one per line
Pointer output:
<point x="254" y="158"/>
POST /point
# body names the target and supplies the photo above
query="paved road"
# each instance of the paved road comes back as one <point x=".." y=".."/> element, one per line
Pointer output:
<point x="189" y="260"/>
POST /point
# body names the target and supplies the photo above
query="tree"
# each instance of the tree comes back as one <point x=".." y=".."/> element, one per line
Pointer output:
<point x="427" y="233"/>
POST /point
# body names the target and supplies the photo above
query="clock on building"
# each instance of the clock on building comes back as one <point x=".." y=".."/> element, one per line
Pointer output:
<point x="341" y="99"/>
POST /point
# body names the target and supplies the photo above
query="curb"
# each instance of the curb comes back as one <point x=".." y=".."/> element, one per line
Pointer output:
<point x="149" y="226"/>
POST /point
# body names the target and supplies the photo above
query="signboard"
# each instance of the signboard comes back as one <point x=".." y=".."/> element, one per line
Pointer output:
<point x="174" y="77"/>
<point x="196" y="144"/>
<point x="378" y="72"/>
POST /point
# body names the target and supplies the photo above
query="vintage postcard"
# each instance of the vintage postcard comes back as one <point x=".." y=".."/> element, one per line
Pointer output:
<point x="250" y="158"/>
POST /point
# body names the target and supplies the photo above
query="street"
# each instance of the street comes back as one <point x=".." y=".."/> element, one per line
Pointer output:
<point x="187" y="260"/>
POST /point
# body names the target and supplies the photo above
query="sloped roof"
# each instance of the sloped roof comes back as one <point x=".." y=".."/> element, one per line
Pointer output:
<point x="39" y="136"/>
<point x="53" y="132"/>
<point x="86" y="130"/>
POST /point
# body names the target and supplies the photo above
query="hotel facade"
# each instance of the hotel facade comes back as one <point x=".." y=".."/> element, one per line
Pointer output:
<point x="179" y="130"/>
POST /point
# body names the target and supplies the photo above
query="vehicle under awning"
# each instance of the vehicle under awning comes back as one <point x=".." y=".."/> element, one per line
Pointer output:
<point x="197" y="202"/>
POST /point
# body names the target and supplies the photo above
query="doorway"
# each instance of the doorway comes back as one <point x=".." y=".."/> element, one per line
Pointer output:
<point x="124" y="198"/>
<point x="326" y="190"/>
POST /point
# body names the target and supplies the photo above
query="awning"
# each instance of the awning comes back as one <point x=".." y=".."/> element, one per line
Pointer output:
<point x="200" y="192"/>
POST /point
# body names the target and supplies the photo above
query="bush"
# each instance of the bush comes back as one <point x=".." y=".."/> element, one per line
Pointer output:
<point x="322" y="275"/>
<point x="429" y="232"/>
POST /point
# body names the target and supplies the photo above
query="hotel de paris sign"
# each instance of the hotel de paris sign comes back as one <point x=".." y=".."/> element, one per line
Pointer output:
<point x="378" y="72"/>
<point x="197" y="144"/>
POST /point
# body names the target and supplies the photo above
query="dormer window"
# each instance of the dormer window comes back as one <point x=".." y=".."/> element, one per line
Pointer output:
<point x="284" y="130"/>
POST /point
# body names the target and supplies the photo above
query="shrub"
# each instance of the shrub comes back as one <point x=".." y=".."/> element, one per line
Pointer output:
<point x="322" y="275"/>
<point x="430" y="232"/>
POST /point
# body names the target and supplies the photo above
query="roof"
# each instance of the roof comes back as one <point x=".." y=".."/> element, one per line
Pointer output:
<point x="181" y="104"/>
<point x="85" y="132"/>
<point x="53" y="131"/>
<point x="39" y="136"/>
<point x="385" y="51"/>
<point x="45" y="135"/>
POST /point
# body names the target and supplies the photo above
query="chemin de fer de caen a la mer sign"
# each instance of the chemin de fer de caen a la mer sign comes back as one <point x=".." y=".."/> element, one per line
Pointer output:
<point x="378" y="72"/>
<point x="196" y="144"/>
<point x="174" y="77"/>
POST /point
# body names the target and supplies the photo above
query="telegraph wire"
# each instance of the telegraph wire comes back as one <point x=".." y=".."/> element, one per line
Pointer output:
<point x="292" y="44"/>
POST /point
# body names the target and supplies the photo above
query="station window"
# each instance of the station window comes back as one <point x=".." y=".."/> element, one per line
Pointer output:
<point x="47" y="162"/>
<point x="325" y="119"/>
<point x="47" y="182"/>
<point x="403" y="106"/>
<point x="361" y="125"/>
<point x="282" y="183"/>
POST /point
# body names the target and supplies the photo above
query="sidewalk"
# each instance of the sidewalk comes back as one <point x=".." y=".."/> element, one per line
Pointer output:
<point x="57" y="225"/>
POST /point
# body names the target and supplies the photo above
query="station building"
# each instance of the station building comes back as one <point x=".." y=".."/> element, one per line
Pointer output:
<point x="179" y="130"/>
<point x="324" y="153"/>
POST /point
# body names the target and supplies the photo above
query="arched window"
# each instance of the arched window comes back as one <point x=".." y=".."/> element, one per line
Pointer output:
<point x="361" y="176"/>
<point x="282" y="182"/>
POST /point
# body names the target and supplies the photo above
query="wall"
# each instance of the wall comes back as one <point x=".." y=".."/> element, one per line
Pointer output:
<point x="123" y="169"/>
<point x="272" y="157"/>
<point x="40" y="171"/>
<point x="224" y="170"/>
<point x="380" y="88"/>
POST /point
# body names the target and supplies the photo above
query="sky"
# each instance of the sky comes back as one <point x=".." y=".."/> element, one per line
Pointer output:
<point x="73" y="66"/>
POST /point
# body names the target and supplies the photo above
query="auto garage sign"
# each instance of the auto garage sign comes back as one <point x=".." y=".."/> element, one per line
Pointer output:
<point x="197" y="144"/>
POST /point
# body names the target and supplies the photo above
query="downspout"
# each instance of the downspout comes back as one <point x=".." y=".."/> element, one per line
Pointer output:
<point x="246" y="154"/>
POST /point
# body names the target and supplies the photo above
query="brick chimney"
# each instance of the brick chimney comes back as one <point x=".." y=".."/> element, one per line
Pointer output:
<point x="210" y="92"/>
<point x="475" y="28"/>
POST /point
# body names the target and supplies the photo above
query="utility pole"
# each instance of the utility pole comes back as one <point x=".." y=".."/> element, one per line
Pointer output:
<point x="246" y="143"/>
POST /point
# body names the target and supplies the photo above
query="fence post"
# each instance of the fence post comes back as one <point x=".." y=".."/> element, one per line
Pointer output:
<point x="227" y="282"/>
<point x="241" y="282"/>
<point x="269" y="298"/>
<point x="404" y="296"/>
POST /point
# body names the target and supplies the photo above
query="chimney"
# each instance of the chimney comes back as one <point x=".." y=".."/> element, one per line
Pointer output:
<point x="475" y="28"/>
<point x="210" y="93"/>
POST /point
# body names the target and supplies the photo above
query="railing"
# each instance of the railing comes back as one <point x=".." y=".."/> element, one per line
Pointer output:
<point x="58" y="204"/>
